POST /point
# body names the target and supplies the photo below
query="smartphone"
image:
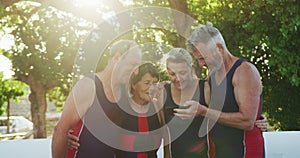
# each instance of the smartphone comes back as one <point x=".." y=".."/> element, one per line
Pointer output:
<point x="183" y="107"/>
<point x="170" y="110"/>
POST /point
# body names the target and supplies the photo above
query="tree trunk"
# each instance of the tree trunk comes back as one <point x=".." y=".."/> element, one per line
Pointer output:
<point x="8" y="116"/>
<point x="182" y="20"/>
<point x="38" y="102"/>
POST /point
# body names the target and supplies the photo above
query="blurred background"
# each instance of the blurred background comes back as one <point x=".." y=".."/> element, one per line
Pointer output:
<point x="40" y="43"/>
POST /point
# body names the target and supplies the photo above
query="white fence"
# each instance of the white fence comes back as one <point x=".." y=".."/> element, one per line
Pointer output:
<point x="278" y="145"/>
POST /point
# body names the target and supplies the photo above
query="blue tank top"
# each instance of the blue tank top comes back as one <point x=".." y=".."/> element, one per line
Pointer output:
<point x="185" y="132"/>
<point x="147" y="137"/>
<point x="229" y="141"/>
<point x="96" y="127"/>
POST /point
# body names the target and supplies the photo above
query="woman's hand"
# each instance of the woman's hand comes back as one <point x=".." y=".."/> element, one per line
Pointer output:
<point x="262" y="123"/>
<point x="72" y="140"/>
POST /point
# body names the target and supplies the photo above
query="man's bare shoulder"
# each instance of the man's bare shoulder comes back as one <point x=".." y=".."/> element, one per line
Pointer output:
<point x="84" y="90"/>
<point x="247" y="69"/>
<point x="246" y="73"/>
<point x="82" y="95"/>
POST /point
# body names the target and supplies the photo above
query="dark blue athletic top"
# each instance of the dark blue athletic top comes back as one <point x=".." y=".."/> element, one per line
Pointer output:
<point x="96" y="127"/>
<point x="231" y="142"/>
<point x="147" y="137"/>
<point x="187" y="144"/>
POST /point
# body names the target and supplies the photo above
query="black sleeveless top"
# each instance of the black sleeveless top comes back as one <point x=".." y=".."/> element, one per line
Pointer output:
<point x="97" y="126"/>
<point x="184" y="133"/>
<point x="229" y="141"/>
<point x="146" y="140"/>
<point x="101" y="135"/>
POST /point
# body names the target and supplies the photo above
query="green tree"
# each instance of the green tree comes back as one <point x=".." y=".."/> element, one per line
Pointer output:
<point x="265" y="32"/>
<point x="46" y="43"/>
<point x="10" y="90"/>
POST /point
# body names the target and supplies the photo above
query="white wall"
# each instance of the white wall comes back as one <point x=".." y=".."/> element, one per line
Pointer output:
<point x="282" y="144"/>
<point x="278" y="145"/>
<point x="29" y="148"/>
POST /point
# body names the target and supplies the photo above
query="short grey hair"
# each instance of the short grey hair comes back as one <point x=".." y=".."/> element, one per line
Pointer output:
<point x="179" y="55"/>
<point x="206" y="34"/>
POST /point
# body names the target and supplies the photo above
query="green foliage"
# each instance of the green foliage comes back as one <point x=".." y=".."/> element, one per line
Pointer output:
<point x="46" y="43"/>
<point x="282" y="100"/>
<point x="252" y="27"/>
<point x="143" y="3"/>
<point x="10" y="89"/>
<point x="58" y="96"/>
<point x="267" y="33"/>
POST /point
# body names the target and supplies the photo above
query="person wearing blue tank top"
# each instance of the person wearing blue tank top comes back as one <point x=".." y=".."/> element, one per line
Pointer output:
<point x="185" y="141"/>
<point x="142" y="123"/>
<point x="124" y="56"/>
<point x="235" y="102"/>
<point x="184" y="86"/>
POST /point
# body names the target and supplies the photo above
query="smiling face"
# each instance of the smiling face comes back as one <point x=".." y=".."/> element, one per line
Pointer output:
<point x="141" y="89"/>
<point x="208" y="56"/>
<point x="180" y="74"/>
<point x="142" y="81"/>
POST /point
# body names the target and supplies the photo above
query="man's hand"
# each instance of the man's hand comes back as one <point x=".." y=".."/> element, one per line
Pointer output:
<point x="190" y="109"/>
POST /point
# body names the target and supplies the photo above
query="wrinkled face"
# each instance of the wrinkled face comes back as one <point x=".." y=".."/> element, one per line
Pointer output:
<point x="128" y="63"/>
<point x="209" y="57"/>
<point x="180" y="74"/>
<point x="141" y="90"/>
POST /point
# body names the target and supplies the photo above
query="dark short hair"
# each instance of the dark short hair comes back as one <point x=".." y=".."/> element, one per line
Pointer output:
<point x="142" y="70"/>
